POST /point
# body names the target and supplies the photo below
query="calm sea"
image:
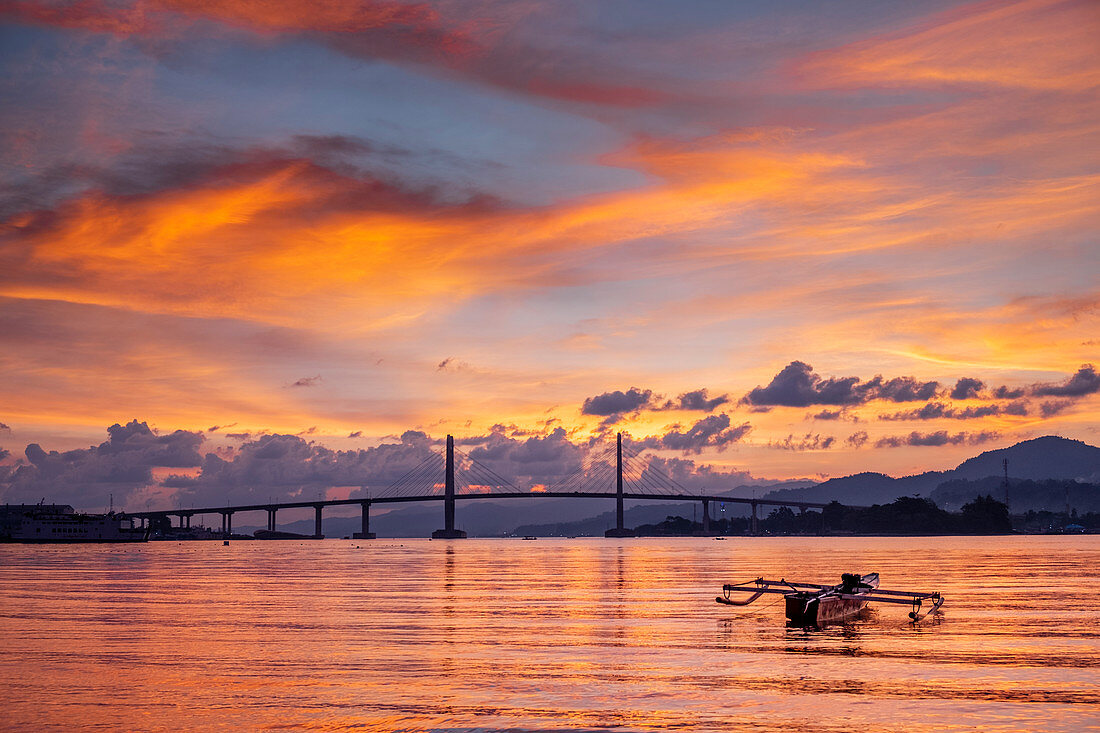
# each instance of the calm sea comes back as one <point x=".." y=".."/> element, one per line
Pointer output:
<point x="584" y="634"/>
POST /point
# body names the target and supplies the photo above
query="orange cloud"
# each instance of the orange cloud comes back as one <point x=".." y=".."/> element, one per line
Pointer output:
<point x="468" y="39"/>
<point x="883" y="243"/>
<point x="163" y="17"/>
<point x="1035" y="44"/>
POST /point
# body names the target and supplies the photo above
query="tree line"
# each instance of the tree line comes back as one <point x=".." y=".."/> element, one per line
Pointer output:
<point x="907" y="515"/>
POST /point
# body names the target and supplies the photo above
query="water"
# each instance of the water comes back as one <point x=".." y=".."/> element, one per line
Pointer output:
<point x="583" y="634"/>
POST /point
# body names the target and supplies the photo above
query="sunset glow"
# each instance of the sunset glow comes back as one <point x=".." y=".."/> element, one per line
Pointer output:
<point x="764" y="244"/>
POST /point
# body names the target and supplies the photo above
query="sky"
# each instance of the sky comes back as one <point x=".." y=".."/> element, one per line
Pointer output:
<point x="274" y="248"/>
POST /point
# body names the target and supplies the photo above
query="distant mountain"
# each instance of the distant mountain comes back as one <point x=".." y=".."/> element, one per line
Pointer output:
<point x="1049" y="457"/>
<point x="1041" y="459"/>
<point x="632" y="517"/>
<point x="489" y="518"/>
<point x="864" y="488"/>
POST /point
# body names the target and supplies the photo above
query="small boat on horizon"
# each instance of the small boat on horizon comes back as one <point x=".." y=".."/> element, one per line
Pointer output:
<point x="275" y="534"/>
<point x="816" y="605"/>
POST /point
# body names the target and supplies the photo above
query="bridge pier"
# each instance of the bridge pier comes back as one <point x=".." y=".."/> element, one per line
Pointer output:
<point x="271" y="519"/>
<point x="364" y="533"/>
<point x="754" y="528"/>
<point x="317" y="522"/>
<point x="227" y="523"/>
<point x="449" y="532"/>
<point x="620" y="530"/>
<point x="706" y="516"/>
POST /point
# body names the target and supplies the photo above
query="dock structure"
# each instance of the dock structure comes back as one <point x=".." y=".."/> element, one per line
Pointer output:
<point x="450" y="496"/>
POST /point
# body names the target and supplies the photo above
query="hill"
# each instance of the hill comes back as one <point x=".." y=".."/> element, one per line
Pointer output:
<point x="1048" y="457"/>
<point x="1040" y="459"/>
<point x="1032" y="465"/>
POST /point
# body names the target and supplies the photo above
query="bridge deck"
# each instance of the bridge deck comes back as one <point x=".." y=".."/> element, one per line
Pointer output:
<point x="487" y="495"/>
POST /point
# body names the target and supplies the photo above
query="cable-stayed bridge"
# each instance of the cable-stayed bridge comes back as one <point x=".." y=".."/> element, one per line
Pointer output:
<point x="451" y="476"/>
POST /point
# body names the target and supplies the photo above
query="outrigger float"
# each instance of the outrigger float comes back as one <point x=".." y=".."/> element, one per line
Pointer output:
<point x="812" y="604"/>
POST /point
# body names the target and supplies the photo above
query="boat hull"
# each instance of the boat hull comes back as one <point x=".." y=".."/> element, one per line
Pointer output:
<point x="56" y="524"/>
<point x="92" y="541"/>
<point x="821" y="611"/>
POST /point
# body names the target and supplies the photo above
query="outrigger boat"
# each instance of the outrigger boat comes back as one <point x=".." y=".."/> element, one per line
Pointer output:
<point x="812" y="604"/>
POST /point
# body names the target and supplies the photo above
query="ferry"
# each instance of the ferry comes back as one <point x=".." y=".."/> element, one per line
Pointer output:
<point x="60" y="523"/>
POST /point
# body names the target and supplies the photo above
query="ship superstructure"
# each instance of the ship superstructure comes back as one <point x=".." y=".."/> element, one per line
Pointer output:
<point x="55" y="523"/>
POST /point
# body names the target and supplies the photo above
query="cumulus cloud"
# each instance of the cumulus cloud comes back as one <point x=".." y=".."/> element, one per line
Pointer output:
<point x="1053" y="407"/>
<point x="797" y="385"/>
<point x="288" y="466"/>
<point x="120" y="465"/>
<point x="308" y="381"/>
<point x="809" y="441"/>
<point x="937" y="410"/>
<point x="938" y="438"/>
<point x="1085" y="382"/>
<point x="931" y="411"/>
<point x="903" y="389"/>
<point x="698" y="400"/>
<point x="5" y="428"/>
<point x="613" y="405"/>
<point x="857" y="440"/>
<point x="828" y="415"/>
<point x="617" y="402"/>
<point x="975" y="412"/>
<point x="534" y="460"/>
<point x="685" y="472"/>
<point x="967" y="388"/>
<point x="713" y="431"/>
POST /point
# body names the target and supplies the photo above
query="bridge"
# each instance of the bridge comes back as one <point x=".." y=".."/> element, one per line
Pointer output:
<point x="632" y="479"/>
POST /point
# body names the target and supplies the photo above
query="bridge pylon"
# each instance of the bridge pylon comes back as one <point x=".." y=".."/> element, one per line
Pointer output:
<point x="619" y="530"/>
<point x="449" y="532"/>
<point x="364" y="533"/>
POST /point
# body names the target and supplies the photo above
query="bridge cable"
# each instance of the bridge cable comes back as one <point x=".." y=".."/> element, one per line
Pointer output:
<point x="585" y="473"/>
<point x="405" y="477"/>
<point x="671" y="482"/>
<point x="414" y="480"/>
<point x="495" y="478"/>
<point x="647" y="476"/>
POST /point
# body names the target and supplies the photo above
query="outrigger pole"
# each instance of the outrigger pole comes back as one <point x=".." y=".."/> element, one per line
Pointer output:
<point x="812" y="604"/>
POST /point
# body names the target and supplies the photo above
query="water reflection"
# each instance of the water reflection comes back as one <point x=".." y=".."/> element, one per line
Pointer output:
<point x="548" y="635"/>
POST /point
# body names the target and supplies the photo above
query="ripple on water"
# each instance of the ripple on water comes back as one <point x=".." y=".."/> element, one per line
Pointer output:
<point x="555" y="635"/>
